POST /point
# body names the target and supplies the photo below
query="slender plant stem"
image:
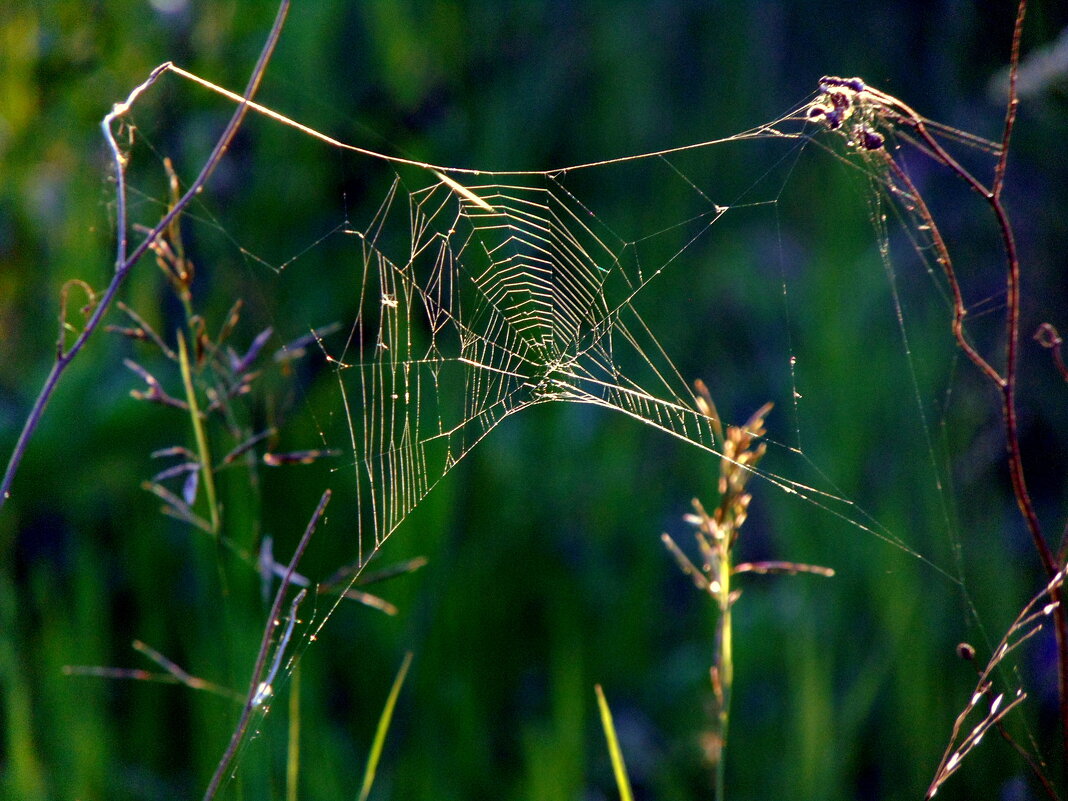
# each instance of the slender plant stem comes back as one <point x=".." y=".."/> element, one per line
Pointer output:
<point x="1005" y="382"/>
<point x="124" y="261"/>
<point x="1014" y="101"/>
<point x="943" y="258"/>
<point x="254" y="691"/>
<point x="207" y="469"/>
<point x="293" y="744"/>
<point x="725" y="660"/>
<point x="1012" y="325"/>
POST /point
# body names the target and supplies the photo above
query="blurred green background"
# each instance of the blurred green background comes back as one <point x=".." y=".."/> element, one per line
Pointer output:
<point x="545" y="574"/>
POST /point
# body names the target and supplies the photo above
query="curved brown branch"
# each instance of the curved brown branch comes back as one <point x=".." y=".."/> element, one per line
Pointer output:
<point x="1007" y="381"/>
<point x="123" y="261"/>
<point x="845" y="99"/>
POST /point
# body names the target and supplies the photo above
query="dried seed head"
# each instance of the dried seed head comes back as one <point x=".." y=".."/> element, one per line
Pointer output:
<point x="831" y="81"/>
<point x="870" y="140"/>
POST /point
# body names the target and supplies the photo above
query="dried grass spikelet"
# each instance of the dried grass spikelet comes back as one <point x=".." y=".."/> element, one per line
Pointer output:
<point x="741" y="449"/>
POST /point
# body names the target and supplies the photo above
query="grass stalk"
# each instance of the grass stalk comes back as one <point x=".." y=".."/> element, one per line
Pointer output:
<point x="256" y="691"/>
<point x="723" y="672"/>
<point x="293" y="746"/>
<point x="382" y="729"/>
<point x="619" y="767"/>
<point x="717" y="535"/>
<point x="203" y="451"/>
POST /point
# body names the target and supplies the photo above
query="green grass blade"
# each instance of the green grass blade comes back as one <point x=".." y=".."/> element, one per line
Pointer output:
<point x="293" y="750"/>
<point x="203" y="452"/>
<point x="383" y="727"/>
<point x="618" y="766"/>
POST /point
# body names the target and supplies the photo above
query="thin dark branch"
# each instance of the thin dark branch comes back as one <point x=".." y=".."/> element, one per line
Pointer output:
<point x="946" y="263"/>
<point x="1013" y="102"/>
<point x="1033" y="762"/>
<point x="1008" y="380"/>
<point x="123" y="261"/>
<point x="1005" y="382"/>
<point x="254" y="692"/>
<point x="1062" y="552"/>
<point x="1008" y="390"/>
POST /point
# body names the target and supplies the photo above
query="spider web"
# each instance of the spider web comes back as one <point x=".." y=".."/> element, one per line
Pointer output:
<point x="501" y="297"/>
<point x="478" y="294"/>
<point x="481" y="293"/>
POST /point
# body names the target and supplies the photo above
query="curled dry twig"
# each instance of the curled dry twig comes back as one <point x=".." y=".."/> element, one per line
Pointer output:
<point x="1048" y="337"/>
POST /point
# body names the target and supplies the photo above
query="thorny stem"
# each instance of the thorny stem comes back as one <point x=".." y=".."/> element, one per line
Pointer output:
<point x="254" y="691"/>
<point x="123" y="261"/>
